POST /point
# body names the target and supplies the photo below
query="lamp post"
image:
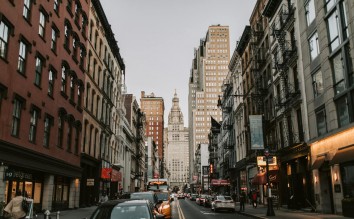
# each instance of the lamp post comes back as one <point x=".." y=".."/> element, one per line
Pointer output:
<point x="270" y="210"/>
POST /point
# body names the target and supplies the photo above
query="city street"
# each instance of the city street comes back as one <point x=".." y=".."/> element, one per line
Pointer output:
<point x="181" y="209"/>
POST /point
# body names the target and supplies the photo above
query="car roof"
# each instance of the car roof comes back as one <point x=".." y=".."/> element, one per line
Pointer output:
<point x="124" y="202"/>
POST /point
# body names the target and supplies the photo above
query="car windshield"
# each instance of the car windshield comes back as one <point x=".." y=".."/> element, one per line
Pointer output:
<point x="130" y="212"/>
<point x="143" y="196"/>
<point x="162" y="196"/>
<point x="228" y="198"/>
<point x="221" y="198"/>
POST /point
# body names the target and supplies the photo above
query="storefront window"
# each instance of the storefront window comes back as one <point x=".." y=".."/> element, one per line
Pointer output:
<point x="28" y="189"/>
<point x="347" y="173"/>
<point x="37" y="193"/>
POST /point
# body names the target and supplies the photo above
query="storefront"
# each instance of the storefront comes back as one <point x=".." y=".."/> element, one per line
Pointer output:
<point x="332" y="161"/>
<point x="89" y="187"/>
<point x="295" y="187"/>
<point x="29" y="182"/>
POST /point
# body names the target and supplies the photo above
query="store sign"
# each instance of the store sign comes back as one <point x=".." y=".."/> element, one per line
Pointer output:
<point x="90" y="182"/>
<point x="17" y="175"/>
<point x="261" y="161"/>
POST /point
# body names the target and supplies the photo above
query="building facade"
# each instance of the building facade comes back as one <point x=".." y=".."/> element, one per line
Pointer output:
<point x="43" y="47"/>
<point x="154" y="109"/>
<point x="326" y="39"/>
<point x="177" y="150"/>
<point x="103" y="100"/>
<point x="209" y="69"/>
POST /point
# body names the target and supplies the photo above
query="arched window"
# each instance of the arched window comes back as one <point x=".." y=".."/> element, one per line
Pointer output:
<point x="63" y="78"/>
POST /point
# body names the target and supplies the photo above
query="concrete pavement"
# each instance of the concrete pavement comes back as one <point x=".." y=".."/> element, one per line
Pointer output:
<point x="80" y="213"/>
<point x="281" y="213"/>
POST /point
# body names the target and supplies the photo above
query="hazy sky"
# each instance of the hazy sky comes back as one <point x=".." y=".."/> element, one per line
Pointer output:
<point x="157" y="40"/>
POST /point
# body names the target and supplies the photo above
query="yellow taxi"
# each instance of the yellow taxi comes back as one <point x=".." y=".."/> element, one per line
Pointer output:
<point x="165" y="206"/>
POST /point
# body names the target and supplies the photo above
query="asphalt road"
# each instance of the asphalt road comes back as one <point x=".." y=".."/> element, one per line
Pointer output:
<point x="187" y="209"/>
<point x="181" y="209"/>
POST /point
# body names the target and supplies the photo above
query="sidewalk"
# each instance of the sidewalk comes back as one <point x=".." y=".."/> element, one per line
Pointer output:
<point x="80" y="213"/>
<point x="261" y="212"/>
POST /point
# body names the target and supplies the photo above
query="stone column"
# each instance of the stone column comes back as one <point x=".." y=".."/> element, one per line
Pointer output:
<point x="48" y="186"/>
<point x="2" y="183"/>
<point x="74" y="195"/>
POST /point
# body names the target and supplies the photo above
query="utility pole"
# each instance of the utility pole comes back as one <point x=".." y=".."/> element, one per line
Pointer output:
<point x="270" y="210"/>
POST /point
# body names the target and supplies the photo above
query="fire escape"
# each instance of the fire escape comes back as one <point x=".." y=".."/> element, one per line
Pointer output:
<point x="285" y="58"/>
<point x="227" y="130"/>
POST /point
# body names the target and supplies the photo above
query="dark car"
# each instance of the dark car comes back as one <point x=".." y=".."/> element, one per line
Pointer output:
<point x="151" y="196"/>
<point x="125" y="209"/>
<point x="208" y="200"/>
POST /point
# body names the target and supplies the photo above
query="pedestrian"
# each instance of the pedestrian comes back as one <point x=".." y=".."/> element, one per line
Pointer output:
<point x="242" y="201"/>
<point x="254" y="199"/>
<point x="103" y="198"/>
<point x="14" y="208"/>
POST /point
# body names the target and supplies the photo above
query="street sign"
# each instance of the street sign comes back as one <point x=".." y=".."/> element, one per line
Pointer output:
<point x="90" y="182"/>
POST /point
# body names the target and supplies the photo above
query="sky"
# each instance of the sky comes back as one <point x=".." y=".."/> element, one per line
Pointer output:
<point x="157" y="40"/>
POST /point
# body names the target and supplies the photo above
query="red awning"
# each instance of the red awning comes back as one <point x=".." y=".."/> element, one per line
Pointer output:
<point x="220" y="182"/>
<point x="261" y="178"/>
<point x="106" y="173"/>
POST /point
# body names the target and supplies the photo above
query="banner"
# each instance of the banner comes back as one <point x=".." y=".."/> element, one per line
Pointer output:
<point x="256" y="129"/>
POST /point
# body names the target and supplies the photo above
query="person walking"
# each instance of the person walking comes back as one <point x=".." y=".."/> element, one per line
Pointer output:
<point x="254" y="199"/>
<point x="14" y="207"/>
<point x="242" y="201"/>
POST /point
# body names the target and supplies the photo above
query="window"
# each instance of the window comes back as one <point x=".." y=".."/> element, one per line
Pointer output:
<point x="42" y="21"/>
<point x="77" y="138"/>
<point x="333" y="29"/>
<point x="76" y="42"/>
<point x="27" y="9"/>
<point x="4" y="39"/>
<point x="337" y="24"/>
<point x="342" y="111"/>
<point x="314" y="47"/>
<point x="349" y="63"/>
<point x="68" y="139"/>
<point x="338" y="73"/>
<point x="51" y="74"/>
<point x="82" y="57"/>
<point x="56" y="6"/>
<point x="53" y="44"/>
<point x="72" y="89"/>
<point x="21" y="65"/>
<point x="67" y="30"/>
<point x="48" y="121"/>
<point x="63" y="79"/>
<point x="310" y="12"/>
<point x="317" y="83"/>
<point x="60" y="131"/>
<point x="33" y="125"/>
<point x="347" y="174"/>
<point x="321" y="122"/>
<point x="3" y="91"/>
<point x="16" y="117"/>
<point x="39" y="69"/>
<point x="79" y="96"/>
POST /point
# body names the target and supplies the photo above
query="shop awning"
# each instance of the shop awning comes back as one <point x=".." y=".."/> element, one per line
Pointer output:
<point x="318" y="162"/>
<point x="343" y="155"/>
<point x="261" y="178"/>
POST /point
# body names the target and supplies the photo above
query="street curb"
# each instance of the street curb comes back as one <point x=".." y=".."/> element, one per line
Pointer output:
<point x="250" y="215"/>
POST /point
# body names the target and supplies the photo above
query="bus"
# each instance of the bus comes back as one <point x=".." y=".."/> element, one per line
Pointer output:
<point x="157" y="184"/>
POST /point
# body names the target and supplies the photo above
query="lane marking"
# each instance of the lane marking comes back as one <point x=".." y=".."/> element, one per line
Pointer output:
<point x="180" y="212"/>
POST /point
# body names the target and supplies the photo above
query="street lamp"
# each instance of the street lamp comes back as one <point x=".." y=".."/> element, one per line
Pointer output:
<point x="270" y="210"/>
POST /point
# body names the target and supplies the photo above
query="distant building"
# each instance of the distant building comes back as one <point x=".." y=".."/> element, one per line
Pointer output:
<point x="154" y="109"/>
<point x="209" y="69"/>
<point x="177" y="150"/>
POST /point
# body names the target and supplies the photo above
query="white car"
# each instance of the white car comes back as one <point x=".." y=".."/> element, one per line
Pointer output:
<point x="223" y="203"/>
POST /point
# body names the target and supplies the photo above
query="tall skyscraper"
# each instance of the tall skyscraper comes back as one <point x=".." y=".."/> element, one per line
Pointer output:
<point x="176" y="151"/>
<point x="209" y="69"/>
<point x="154" y="109"/>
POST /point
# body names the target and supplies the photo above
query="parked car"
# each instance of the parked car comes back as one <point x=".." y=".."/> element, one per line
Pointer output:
<point x="165" y="207"/>
<point x="200" y="199"/>
<point x="193" y="197"/>
<point x="223" y="203"/>
<point x="208" y="200"/>
<point x="125" y="208"/>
